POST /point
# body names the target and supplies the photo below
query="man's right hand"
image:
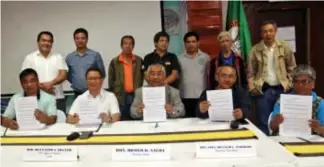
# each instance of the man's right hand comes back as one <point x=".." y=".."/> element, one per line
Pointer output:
<point x="277" y="120"/>
<point x="140" y="108"/>
<point x="12" y="124"/>
<point x="204" y="106"/>
<point x="73" y="119"/>
<point x="254" y="92"/>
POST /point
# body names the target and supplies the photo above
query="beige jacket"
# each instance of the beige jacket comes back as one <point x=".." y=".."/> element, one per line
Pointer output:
<point x="257" y="65"/>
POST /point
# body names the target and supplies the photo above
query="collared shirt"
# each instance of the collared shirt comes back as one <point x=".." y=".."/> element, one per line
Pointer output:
<point x="128" y="73"/>
<point x="168" y="60"/>
<point x="107" y="102"/>
<point x="78" y="66"/>
<point x="46" y="68"/>
<point x="46" y="103"/>
<point x="227" y="60"/>
<point x="271" y="78"/>
<point x="193" y="74"/>
<point x="320" y="109"/>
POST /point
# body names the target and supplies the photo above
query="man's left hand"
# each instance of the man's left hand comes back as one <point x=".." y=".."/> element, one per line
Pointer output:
<point x="314" y="124"/>
<point x="40" y="116"/>
<point x="168" y="108"/>
<point x="105" y="117"/>
<point x="237" y="113"/>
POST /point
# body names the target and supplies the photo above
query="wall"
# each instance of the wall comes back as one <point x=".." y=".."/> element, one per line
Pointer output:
<point x="205" y="17"/>
<point x="106" y="22"/>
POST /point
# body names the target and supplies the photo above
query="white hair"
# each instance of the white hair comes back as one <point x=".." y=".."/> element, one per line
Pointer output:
<point x="304" y="69"/>
<point x="224" y="33"/>
<point x="156" y="64"/>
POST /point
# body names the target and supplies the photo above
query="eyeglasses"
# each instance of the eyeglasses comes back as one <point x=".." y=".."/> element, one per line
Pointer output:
<point x="302" y="82"/>
<point x="93" y="78"/>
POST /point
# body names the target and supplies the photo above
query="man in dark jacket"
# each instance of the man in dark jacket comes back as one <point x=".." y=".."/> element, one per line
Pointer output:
<point x="226" y="78"/>
<point x="229" y="57"/>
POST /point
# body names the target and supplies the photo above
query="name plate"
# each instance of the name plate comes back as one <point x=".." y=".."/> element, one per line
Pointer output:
<point x="50" y="153"/>
<point x="141" y="152"/>
<point x="226" y="149"/>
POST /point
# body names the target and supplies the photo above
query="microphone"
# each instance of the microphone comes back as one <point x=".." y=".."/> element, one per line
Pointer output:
<point x="234" y="124"/>
<point x="73" y="136"/>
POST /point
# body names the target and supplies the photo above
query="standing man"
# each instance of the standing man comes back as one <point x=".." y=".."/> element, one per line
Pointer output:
<point x="228" y="57"/>
<point x="50" y="67"/>
<point x="193" y="79"/>
<point x="271" y="63"/>
<point x="162" y="56"/>
<point x="125" y="75"/>
<point x="81" y="60"/>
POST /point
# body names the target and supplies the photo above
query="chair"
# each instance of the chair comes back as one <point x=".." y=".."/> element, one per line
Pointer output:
<point x="61" y="118"/>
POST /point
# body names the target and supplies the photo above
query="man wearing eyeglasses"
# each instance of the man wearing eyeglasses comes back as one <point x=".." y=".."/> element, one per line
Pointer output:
<point x="226" y="78"/>
<point x="303" y="83"/>
<point x="108" y="105"/>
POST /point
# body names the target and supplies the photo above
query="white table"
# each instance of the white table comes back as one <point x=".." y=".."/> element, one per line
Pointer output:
<point x="269" y="152"/>
<point x="2" y="130"/>
<point x="303" y="161"/>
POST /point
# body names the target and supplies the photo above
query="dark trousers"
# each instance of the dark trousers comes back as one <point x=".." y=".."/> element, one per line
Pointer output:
<point x="60" y="105"/>
<point x="125" y="108"/>
<point x="265" y="105"/>
<point x="190" y="107"/>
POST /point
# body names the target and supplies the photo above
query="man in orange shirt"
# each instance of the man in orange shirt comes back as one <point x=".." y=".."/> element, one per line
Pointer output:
<point x="125" y="75"/>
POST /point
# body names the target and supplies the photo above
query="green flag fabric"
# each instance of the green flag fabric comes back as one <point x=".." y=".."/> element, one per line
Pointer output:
<point x="238" y="27"/>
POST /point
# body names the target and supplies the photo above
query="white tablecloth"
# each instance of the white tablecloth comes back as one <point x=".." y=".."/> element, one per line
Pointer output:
<point x="269" y="152"/>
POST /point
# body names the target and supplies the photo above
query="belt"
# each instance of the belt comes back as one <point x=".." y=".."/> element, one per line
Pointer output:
<point x="267" y="86"/>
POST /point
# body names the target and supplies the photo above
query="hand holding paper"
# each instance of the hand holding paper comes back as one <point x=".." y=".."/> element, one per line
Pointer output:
<point x="40" y="116"/>
<point x="168" y="108"/>
<point x="237" y="113"/>
<point x="204" y="106"/>
<point x="13" y="125"/>
<point x="73" y="119"/>
<point x="140" y="108"/>
<point x="105" y="117"/>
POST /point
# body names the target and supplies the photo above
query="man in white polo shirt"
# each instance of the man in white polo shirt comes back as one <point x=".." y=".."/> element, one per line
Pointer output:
<point x="108" y="104"/>
<point x="193" y="79"/>
<point x="50" y="67"/>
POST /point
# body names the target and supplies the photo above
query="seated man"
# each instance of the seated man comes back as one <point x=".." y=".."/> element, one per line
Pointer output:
<point x="303" y="83"/>
<point x="46" y="111"/>
<point x="109" y="108"/>
<point x="156" y="77"/>
<point x="226" y="78"/>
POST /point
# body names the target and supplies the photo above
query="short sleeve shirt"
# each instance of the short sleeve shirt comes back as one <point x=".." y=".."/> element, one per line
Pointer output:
<point x="169" y="61"/>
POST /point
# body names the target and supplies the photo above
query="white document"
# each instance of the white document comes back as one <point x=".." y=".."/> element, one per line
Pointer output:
<point x="25" y="108"/>
<point x="297" y="111"/>
<point x="89" y="112"/>
<point x="221" y="105"/>
<point x="154" y="102"/>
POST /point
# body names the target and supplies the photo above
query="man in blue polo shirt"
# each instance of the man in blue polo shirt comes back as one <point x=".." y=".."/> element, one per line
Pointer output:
<point x="46" y="110"/>
<point x="303" y="83"/>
